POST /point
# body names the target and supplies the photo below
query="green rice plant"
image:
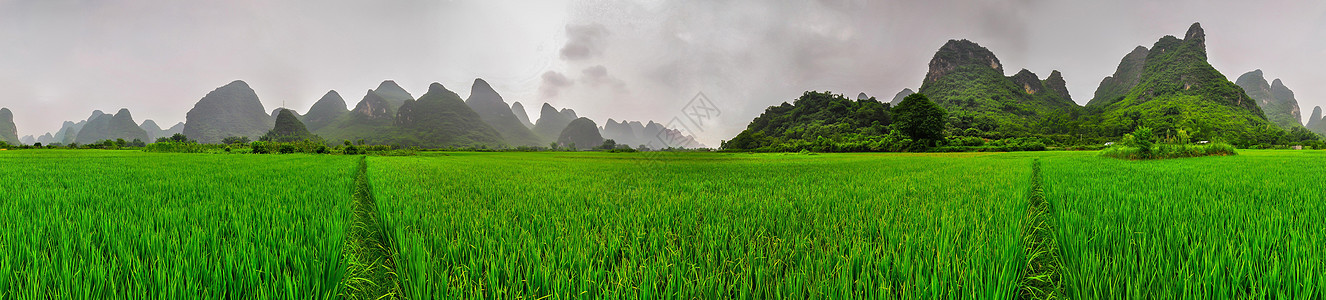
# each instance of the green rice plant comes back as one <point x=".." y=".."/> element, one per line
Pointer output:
<point x="135" y="225"/>
<point x="704" y="226"/>
<point x="1234" y="227"/>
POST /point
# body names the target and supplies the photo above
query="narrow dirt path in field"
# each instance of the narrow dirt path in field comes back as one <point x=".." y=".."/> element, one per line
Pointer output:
<point x="370" y="269"/>
<point x="1041" y="273"/>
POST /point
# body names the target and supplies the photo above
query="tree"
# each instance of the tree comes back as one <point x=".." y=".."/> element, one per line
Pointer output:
<point x="235" y="140"/>
<point x="1142" y="138"/>
<point x="920" y="119"/>
<point x="179" y="138"/>
<point x="608" y="144"/>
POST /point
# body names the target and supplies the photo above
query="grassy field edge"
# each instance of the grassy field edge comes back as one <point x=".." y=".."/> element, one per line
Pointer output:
<point x="1041" y="273"/>
<point x="370" y="267"/>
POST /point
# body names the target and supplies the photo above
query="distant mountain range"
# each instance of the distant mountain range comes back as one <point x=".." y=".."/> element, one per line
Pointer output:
<point x="103" y="127"/>
<point x="386" y="115"/>
<point x="1169" y="87"/>
<point x="154" y="132"/>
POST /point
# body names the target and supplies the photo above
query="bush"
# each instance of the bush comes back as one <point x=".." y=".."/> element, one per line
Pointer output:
<point x="1141" y="138"/>
<point x="261" y="147"/>
<point x="1164" y="151"/>
<point x="235" y="140"/>
<point x="177" y="147"/>
<point x="969" y="141"/>
<point x="351" y="150"/>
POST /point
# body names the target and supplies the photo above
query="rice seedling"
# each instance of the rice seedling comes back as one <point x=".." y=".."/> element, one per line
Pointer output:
<point x="704" y="226"/>
<point x="1233" y="227"/>
<point x="135" y="225"/>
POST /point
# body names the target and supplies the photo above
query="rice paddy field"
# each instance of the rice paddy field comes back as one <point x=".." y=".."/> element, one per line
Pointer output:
<point x="135" y="225"/>
<point x="1251" y="226"/>
<point x="585" y="225"/>
<point x="704" y="226"/>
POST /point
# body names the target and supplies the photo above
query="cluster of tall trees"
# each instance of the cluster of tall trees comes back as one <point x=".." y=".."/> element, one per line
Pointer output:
<point x="827" y="122"/>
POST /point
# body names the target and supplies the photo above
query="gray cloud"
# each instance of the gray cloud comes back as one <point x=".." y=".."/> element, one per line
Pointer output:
<point x="583" y="41"/>
<point x="597" y="76"/>
<point x="61" y="59"/>
<point x="553" y="83"/>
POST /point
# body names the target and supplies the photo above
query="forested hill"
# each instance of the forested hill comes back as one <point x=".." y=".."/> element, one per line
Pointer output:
<point x="814" y="120"/>
<point x="968" y="80"/>
<point x="1179" y="90"/>
<point x="1170" y="88"/>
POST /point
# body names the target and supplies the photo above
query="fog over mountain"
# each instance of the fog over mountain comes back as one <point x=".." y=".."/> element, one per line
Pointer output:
<point x="633" y="60"/>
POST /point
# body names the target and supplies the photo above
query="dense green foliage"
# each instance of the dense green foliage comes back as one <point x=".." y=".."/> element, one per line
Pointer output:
<point x="134" y="225"/>
<point x="1232" y="227"/>
<point x="920" y="119"/>
<point x="703" y="226"/>
<point x="1143" y="144"/>
<point x="1162" y="151"/>
<point x="819" y="118"/>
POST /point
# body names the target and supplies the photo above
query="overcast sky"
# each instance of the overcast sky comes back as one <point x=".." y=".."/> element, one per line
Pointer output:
<point x="632" y="60"/>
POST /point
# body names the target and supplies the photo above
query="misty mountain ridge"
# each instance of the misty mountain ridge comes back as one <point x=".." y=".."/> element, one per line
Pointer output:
<point x="581" y="134"/>
<point x="288" y="128"/>
<point x="154" y="131"/>
<point x="393" y="94"/>
<point x="1275" y="100"/>
<point x="652" y="135"/>
<point x="230" y="110"/>
<point x="519" y="111"/>
<point x="8" y="131"/>
<point x="325" y="110"/>
<point x="103" y="127"/>
<point x="497" y="113"/>
<point x="551" y="122"/>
